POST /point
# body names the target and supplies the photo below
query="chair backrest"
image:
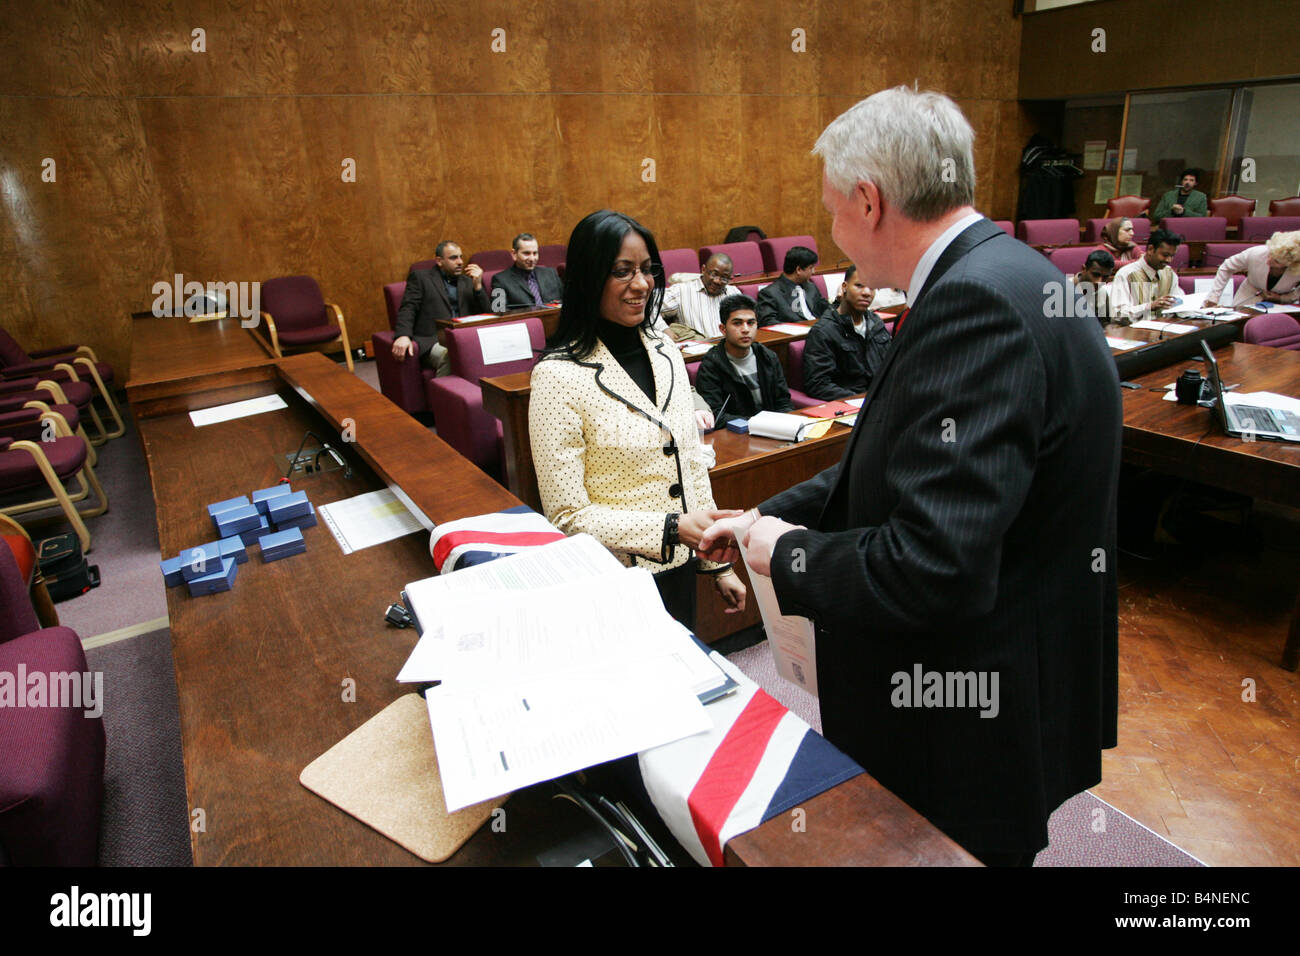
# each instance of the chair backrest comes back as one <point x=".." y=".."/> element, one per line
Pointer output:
<point x="1200" y="228"/>
<point x="773" y="250"/>
<point x="1284" y="207"/>
<point x="393" y="292"/>
<point x="794" y="364"/>
<point x="1007" y="226"/>
<point x="1216" y="252"/>
<point x="295" y="302"/>
<point x="488" y="276"/>
<point x="745" y="256"/>
<point x="552" y="255"/>
<point x="1129" y="206"/>
<point x="693" y="370"/>
<point x="19" y="617"/>
<point x="466" y="351"/>
<point x="1259" y="228"/>
<point x="493" y="259"/>
<point x="1274" y="328"/>
<point x="1049" y="232"/>
<point x="1070" y="259"/>
<point x="1182" y="257"/>
<point x="820" y="283"/>
<point x="11" y="353"/>
<point x="679" y="260"/>
<point x="423" y="264"/>
<point x="751" y="289"/>
<point x="1232" y="208"/>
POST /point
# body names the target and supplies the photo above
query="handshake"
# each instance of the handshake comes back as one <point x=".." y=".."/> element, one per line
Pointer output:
<point x="719" y="539"/>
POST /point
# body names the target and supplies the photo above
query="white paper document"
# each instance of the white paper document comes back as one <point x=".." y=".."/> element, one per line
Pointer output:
<point x="1281" y="403"/>
<point x="578" y="557"/>
<point x="505" y="343"/>
<point x="491" y="740"/>
<point x="1203" y="284"/>
<point x="834" y="282"/>
<point x="1123" y="344"/>
<point x="789" y="328"/>
<point x="1172" y="328"/>
<point x="367" y="520"/>
<point x="224" y="413"/>
<point x="1283" y="307"/>
<point x="780" y="425"/>
<point x="886" y="298"/>
<point x="790" y="637"/>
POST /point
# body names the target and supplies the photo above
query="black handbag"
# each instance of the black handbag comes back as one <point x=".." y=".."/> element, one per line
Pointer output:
<point x="64" y="567"/>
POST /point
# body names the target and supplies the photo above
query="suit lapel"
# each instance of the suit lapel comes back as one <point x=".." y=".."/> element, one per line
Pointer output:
<point x="615" y="382"/>
<point x="440" y="287"/>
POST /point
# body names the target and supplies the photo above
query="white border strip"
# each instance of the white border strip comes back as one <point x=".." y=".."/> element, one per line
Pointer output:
<point x="122" y="633"/>
<point x="1147" y="828"/>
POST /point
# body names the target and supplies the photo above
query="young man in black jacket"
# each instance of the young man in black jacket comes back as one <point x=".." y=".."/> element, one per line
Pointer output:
<point x="738" y="372"/>
<point x="847" y="344"/>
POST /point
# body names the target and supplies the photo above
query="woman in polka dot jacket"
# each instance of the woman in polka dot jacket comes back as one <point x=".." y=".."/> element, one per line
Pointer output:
<point x="612" y="421"/>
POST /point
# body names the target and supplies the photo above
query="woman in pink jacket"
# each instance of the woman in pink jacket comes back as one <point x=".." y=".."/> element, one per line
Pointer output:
<point x="1272" y="272"/>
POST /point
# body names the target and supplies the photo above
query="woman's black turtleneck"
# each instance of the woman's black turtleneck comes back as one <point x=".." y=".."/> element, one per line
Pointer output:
<point x="625" y="345"/>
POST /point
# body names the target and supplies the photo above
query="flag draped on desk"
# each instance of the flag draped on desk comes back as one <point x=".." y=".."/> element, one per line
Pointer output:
<point x="759" y="761"/>
<point x="469" y="541"/>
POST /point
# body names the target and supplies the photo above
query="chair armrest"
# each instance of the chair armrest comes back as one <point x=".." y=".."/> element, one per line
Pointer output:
<point x="25" y="424"/>
<point x="270" y="326"/>
<point x="68" y="350"/>
<point x="457" y="407"/>
<point x="400" y="380"/>
<point x="5" y="442"/>
<point x="29" y="368"/>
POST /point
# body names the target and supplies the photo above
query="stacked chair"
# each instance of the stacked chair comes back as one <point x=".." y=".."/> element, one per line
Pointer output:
<point x="78" y="374"/>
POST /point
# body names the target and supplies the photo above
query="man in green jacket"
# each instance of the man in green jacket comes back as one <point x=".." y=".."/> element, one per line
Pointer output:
<point x="1183" y="201"/>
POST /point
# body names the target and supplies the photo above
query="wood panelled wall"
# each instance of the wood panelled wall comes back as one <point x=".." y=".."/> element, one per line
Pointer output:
<point x="225" y="165"/>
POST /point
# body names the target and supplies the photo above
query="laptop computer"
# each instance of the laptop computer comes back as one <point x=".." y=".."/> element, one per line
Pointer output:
<point x="1249" y="421"/>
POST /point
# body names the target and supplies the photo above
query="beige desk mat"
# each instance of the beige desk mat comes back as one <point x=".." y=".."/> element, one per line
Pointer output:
<point x="385" y="773"/>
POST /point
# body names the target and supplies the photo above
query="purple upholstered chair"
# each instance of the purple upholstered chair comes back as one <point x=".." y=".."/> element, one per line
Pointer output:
<point x="552" y="256"/>
<point x="679" y="260"/>
<point x="457" y="399"/>
<point x="298" y="317"/>
<point x="393" y="292"/>
<point x="1070" y="259"/>
<point x="794" y="375"/>
<point x="51" y="757"/>
<point x="1285" y="207"/>
<point x="1049" y="232"/>
<point x="745" y="256"/>
<point x="1274" y="328"/>
<point x="38" y="453"/>
<point x="1259" y="228"/>
<point x="773" y="251"/>
<point x="1182" y="257"/>
<point x="65" y="364"/>
<point x="1200" y="228"/>
<point x="751" y="289"/>
<point x="402" y="381"/>
<point x="496" y="259"/>
<point x="1007" y="226"/>
<point x="1216" y="252"/>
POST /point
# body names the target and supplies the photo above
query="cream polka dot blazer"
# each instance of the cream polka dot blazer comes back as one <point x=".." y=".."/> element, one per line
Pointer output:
<point x="611" y="464"/>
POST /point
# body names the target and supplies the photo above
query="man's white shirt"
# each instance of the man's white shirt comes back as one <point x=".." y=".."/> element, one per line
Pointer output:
<point x="688" y="303"/>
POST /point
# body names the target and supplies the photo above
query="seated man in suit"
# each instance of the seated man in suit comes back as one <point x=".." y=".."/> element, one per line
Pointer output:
<point x="1183" y="200"/>
<point x="1147" y="284"/>
<point x="1092" y="283"/>
<point x="847" y="344"/>
<point x="739" y="377"/>
<point x="525" y="285"/>
<point x="793" y="297"/>
<point x="450" y="290"/>
<point x="695" y="301"/>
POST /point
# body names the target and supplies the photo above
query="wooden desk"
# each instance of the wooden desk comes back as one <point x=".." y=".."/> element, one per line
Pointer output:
<point x="1189" y="442"/>
<point x="260" y="669"/>
<point x="178" y="365"/>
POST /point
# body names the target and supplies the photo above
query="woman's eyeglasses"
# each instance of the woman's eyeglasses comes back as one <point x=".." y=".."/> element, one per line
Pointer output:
<point x="624" y="273"/>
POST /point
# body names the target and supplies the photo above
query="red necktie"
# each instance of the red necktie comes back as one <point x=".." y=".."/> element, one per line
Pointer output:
<point x="898" y="322"/>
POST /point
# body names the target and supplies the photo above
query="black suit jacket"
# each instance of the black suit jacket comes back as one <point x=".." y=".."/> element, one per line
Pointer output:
<point x="970" y="528"/>
<point x="776" y="302"/>
<point x="425" y="302"/>
<point x="720" y="385"/>
<point x="515" y="283"/>
<point x="837" y="362"/>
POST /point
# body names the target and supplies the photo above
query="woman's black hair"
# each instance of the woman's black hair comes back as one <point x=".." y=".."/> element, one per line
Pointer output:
<point x="592" y="251"/>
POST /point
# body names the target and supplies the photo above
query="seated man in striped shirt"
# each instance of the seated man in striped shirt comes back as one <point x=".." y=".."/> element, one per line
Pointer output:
<point x="695" y="301"/>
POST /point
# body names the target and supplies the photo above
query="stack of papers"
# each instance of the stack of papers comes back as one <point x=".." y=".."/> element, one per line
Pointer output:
<point x="551" y="660"/>
<point x="782" y="425"/>
<point x="789" y="328"/>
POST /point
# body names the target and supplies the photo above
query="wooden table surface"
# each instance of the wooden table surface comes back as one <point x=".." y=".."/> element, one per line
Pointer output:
<point x="1188" y="441"/>
<point x="178" y="365"/>
<point x="261" y="669"/>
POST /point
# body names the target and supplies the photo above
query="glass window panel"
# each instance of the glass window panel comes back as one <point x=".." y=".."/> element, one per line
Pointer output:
<point x="1172" y="131"/>
<point x="1271" y="143"/>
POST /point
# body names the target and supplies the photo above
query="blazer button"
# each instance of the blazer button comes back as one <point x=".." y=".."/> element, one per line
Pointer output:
<point x="670" y="448"/>
<point x="675" y="490"/>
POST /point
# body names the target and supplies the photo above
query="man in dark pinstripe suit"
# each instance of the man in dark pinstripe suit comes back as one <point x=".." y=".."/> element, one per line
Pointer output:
<point x="965" y="543"/>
